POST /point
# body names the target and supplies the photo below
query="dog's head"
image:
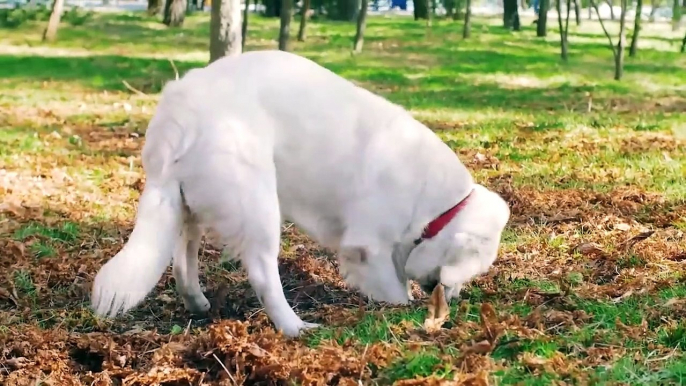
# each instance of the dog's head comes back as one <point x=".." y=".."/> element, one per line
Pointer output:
<point x="466" y="247"/>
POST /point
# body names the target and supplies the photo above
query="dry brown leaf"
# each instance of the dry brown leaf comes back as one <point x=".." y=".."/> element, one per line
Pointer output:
<point x="438" y="310"/>
<point x="588" y="249"/>
<point x="482" y="347"/>
<point x="532" y="361"/>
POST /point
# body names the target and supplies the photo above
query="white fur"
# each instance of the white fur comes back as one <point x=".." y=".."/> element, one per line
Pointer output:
<point x="251" y="140"/>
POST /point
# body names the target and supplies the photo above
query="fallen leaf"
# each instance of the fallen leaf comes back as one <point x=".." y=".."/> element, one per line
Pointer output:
<point x="482" y="347"/>
<point x="588" y="249"/>
<point x="638" y="238"/>
<point x="438" y="310"/>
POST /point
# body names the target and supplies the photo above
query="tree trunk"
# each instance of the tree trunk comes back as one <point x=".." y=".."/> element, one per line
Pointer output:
<point x="421" y="9"/>
<point x="225" y="29"/>
<point x="467" y="31"/>
<point x="457" y="12"/>
<point x="511" y="15"/>
<point x="430" y="12"/>
<point x="612" y="9"/>
<point x="285" y="30"/>
<point x="449" y="8"/>
<point x="618" y="51"/>
<point x="305" y="14"/>
<point x="637" y="29"/>
<point x="676" y="15"/>
<point x="542" y="25"/>
<point x="564" y="29"/>
<point x="272" y="8"/>
<point x="619" y="58"/>
<point x="361" y="25"/>
<point x="655" y="5"/>
<point x="50" y="32"/>
<point x="154" y="7"/>
<point x="577" y="12"/>
<point x="345" y="10"/>
<point x="244" y="25"/>
<point x="175" y="13"/>
<point x="683" y="45"/>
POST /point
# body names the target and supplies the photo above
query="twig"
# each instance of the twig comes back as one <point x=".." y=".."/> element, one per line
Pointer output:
<point x="359" y="379"/>
<point x="225" y="369"/>
<point x="134" y="90"/>
<point x="176" y="71"/>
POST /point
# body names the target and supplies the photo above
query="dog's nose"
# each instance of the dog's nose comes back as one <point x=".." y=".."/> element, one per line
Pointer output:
<point x="429" y="285"/>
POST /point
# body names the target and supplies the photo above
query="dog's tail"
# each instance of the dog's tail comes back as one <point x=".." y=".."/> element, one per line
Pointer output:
<point x="133" y="272"/>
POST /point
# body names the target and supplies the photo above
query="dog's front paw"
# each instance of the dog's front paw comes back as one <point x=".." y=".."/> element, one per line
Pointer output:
<point x="295" y="330"/>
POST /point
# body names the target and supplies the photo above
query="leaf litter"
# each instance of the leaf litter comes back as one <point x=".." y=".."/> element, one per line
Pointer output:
<point x="622" y="243"/>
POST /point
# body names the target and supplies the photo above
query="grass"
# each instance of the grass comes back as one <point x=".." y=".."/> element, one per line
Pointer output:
<point x="583" y="161"/>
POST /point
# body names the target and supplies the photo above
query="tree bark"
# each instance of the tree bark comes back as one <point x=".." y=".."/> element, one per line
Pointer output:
<point x="272" y="8"/>
<point x="421" y="9"/>
<point x="154" y="7"/>
<point x="511" y="15"/>
<point x="225" y="29"/>
<point x="285" y="30"/>
<point x="244" y="25"/>
<point x="542" y="25"/>
<point x="618" y="51"/>
<point x="619" y="59"/>
<point x="637" y="29"/>
<point x="563" y="29"/>
<point x="467" y="31"/>
<point x="577" y="12"/>
<point x="676" y="15"/>
<point x="345" y="10"/>
<point x="305" y="14"/>
<point x="361" y="25"/>
<point x="449" y="8"/>
<point x="174" y="13"/>
<point x="50" y="32"/>
<point x="655" y="5"/>
<point x="612" y="9"/>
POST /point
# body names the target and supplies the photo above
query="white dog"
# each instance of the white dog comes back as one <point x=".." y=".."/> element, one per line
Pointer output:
<point x="251" y="140"/>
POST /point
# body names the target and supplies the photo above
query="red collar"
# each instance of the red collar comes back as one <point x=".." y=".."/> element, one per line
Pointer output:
<point x="441" y="221"/>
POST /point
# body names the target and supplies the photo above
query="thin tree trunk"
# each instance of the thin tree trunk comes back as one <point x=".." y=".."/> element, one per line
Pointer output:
<point x="563" y="29"/>
<point x="467" y="31"/>
<point x="619" y="60"/>
<point x="655" y="5"/>
<point x="175" y="13"/>
<point x="429" y="12"/>
<point x="225" y="32"/>
<point x="617" y="52"/>
<point x="511" y="15"/>
<point x="154" y="7"/>
<point x="244" y="26"/>
<point x="50" y="32"/>
<point x="285" y="30"/>
<point x="542" y="25"/>
<point x="637" y="29"/>
<point x="305" y="14"/>
<point x="676" y="15"/>
<point x="683" y="45"/>
<point x="577" y="12"/>
<point x="612" y="9"/>
<point x="421" y="9"/>
<point x="361" y="25"/>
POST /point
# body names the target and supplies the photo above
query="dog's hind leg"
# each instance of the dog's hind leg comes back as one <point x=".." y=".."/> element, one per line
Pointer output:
<point x="186" y="268"/>
<point x="247" y="218"/>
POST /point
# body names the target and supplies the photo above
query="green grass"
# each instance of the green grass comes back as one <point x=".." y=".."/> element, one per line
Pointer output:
<point x="557" y="139"/>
